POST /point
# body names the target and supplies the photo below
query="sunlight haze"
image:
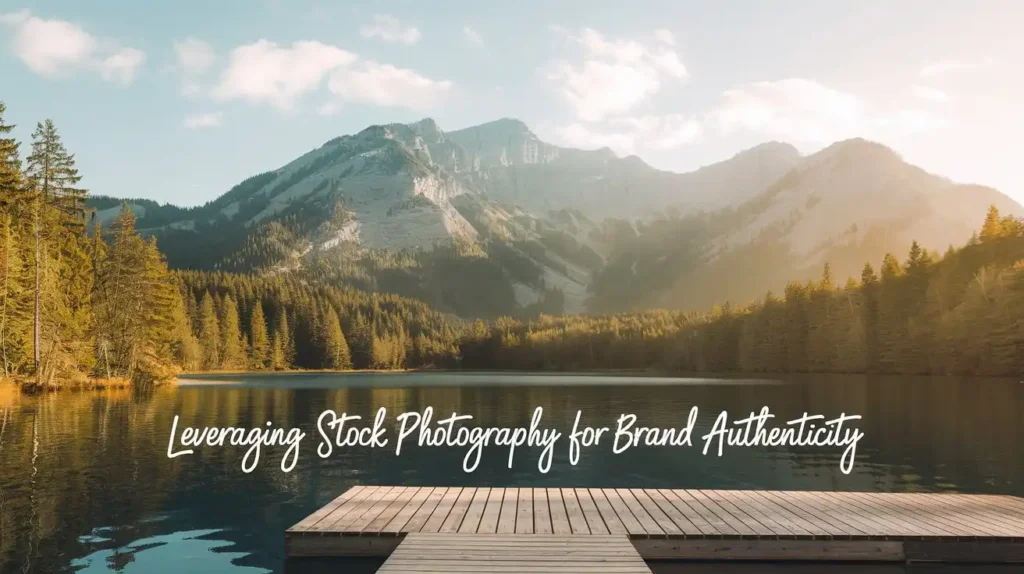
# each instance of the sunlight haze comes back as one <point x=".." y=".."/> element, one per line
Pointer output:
<point x="178" y="103"/>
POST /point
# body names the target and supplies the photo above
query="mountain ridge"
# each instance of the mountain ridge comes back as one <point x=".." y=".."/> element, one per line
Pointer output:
<point x="411" y="208"/>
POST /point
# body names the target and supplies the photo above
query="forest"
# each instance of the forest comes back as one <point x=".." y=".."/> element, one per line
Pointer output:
<point x="83" y="305"/>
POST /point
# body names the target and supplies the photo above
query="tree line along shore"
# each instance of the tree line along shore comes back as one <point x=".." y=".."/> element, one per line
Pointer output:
<point x="84" y="306"/>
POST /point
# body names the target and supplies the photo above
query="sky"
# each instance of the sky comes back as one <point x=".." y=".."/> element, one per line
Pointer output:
<point x="179" y="101"/>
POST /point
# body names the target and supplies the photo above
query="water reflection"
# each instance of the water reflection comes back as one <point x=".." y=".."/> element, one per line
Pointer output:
<point x="85" y="484"/>
<point x="194" y="551"/>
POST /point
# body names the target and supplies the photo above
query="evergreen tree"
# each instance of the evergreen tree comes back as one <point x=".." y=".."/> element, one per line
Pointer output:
<point x="15" y="205"/>
<point x="283" y="346"/>
<point x="209" y="333"/>
<point x="335" y="347"/>
<point x="63" y="279"/>
<point x="260" y="339"/>
<point x="142" y="333"/>
<point x="993" y="226"/>
<point x="231" y="346"/>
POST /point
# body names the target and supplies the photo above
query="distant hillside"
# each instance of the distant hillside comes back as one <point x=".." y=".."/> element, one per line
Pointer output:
<point x="851" y="203"/>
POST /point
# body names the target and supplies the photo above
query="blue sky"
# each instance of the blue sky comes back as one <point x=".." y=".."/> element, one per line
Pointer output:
<point x="178" y="101"/>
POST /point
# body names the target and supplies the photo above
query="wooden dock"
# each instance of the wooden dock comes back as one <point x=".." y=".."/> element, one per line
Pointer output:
<point x="423" y="552"/>
<point x="663" y="524"/>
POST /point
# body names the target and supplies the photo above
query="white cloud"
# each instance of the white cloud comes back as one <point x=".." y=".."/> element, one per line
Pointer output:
<point x="631" y="134"/>
<point x="122" y="65"/>
<point x="390" y="29"/>
<point x="930" y="94"/>
<point x="194" y="59"/>
<point x="794" y="108"/>
<point x="945" y="67"/>
<point x="805" y="111"/>
<point x="199" y="121"/>
<point x="385" y="85"/>
<point x="266" y="73"/>
<point x="472" y="35"/>
<point x="263" y="72"/>
<point x="614" y="76"/>
<point x="56" y="48"/>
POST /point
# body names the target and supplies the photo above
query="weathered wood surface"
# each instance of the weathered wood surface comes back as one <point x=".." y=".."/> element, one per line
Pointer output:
<point x="422" y="553"/>
<point x="654" y="519"/>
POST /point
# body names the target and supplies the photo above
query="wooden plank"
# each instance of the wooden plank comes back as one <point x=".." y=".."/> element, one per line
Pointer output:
<point x="440" y="513"/>
<point x="524" y="514"/>
<point x="840" y="511"/>
<point x="364" y="505"/>
<point x="541" y="512"/>
<point x="489" y="520"/>
<point x="902" y="520"/>
<point x="575" y="513"/>
<point x="608" y="514"/>
<point x="311" y="520"/>
<point x="771" y="515"/>
<point x="725" y="518"/>
<point x="833" y="525"/>
<point x="559" y="517"/>
<point x="475" y="513"/>
<point x="649" y="525"/>
<point x="664" y="522"/>
<point x="422" y="515"/>
<point x="340" y="513"/>
<point x="392" y="510"/>
<point x="405" y="515"/>
<point x="362" y="521"/>
<point x="799" y="519"/>
<point x="705" y="520"/>
<point x="590" y="512"/>
<point x="741" y="512"/>
<point x="773" y="550"/>
<point x="986" y="512"/>
<point x="959" y="520"/>
<point x="454" y="520"/>
<point x="599" y="554"/>
<point x="507" y="516"/>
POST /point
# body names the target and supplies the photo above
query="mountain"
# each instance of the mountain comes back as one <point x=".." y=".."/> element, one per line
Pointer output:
<point x="506" y="161"/>
<point x="847" y="205"/>
<point x="490" y="220"/>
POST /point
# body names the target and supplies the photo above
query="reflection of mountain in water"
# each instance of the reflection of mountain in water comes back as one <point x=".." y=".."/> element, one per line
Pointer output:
<point x="82" y="476"/>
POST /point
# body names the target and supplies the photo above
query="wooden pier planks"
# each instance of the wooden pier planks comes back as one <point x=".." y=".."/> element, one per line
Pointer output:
<point x="422" y="553"/>
<point x="664" y="523"/>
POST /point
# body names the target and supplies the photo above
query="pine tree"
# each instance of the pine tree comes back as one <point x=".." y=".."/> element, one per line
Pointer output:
<point x="15" y="204"/>
<point x="231" y="347"/>
<point x="141" y="332"/>
<point x="992" y="228"/>
<point x="869" y="288"/>
<point x="63" y="279"/>
<point x="336" y="351"/>
<point x="52" y="174"/>
<point x="259" y="337"/>
<point x="209" y="333"/>
<point x="13" y="195"/>
<point x="283" y="346"/>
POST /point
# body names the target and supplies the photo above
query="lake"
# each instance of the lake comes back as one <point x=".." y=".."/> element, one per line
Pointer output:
<point x="86" y="484"/>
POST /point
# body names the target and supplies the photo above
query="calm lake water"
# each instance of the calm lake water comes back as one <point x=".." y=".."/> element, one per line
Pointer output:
<point x="86" y="484"/>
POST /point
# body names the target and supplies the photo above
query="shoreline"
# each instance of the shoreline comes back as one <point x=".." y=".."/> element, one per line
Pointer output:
<point x="210" y="378"/>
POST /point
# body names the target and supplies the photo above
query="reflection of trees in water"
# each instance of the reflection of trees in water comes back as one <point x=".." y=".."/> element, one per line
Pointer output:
<point x="70" y="463"/>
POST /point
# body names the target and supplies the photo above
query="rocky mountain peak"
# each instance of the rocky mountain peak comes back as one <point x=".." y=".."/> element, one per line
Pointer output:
<point x="428" y="129"/>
